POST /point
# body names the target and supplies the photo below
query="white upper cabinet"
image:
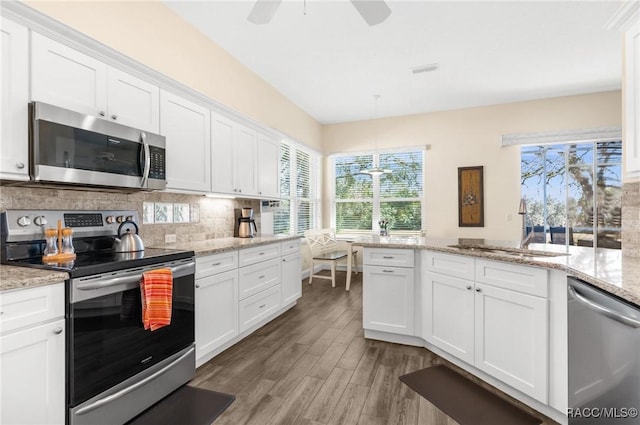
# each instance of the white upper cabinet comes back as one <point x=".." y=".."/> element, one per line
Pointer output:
<point x="233" y="157"/>
<point x="133" y="102"/>
<point x="632" y="100"/>
<point x="187" y="127"/>
<point x="14" y="92"/>
<point x="65" y="77"/>
<point x="268" y="167"/>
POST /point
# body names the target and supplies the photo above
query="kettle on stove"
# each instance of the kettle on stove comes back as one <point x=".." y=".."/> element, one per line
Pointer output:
<point x="128" y="240"/>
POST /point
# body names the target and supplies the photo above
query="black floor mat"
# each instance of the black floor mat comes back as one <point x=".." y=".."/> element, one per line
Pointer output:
<point x="185" y="406"/>
<point x="463" y="400"/>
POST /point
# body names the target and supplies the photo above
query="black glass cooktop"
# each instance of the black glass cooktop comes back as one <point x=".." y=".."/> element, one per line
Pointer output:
<point x="90" y="263"/>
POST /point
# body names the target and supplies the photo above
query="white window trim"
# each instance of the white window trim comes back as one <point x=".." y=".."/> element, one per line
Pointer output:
<point x="602" y="134"/>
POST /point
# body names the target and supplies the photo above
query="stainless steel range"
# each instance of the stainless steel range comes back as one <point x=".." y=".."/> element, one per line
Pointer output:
<point x="115" y="368"/>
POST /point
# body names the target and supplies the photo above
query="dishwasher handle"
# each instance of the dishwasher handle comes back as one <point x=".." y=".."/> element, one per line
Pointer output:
<point x="606" y="311"/>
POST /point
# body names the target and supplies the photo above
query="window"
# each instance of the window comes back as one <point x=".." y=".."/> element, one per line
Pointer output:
<point x="300" y="202"/>
<point x="574" y="192"/>
<point x="361" y="200"/>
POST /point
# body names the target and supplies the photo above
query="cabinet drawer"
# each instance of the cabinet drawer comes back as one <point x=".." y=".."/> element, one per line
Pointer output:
<point x="258" y="277"/>
<point x="290" y="247"/>
<point x="389" y="257"/>
<point x="27" y="307"/>
<point x="260" y="253"/>
<point x="217" y="263"/>
<point x="258" y="306"/>
<point x="449" y="264"/>
<point x="524" y="279"/>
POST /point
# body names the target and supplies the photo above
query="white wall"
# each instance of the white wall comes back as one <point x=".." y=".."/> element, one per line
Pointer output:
<point x="471" y="137"/>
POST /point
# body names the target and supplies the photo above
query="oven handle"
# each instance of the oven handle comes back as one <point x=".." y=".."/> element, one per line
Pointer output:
<point x="133" y="387"/>
<point x="190" y="266"/>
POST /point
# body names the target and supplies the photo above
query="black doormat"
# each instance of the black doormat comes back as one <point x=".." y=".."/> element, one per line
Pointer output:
<point x="185" y="406"/>
<point x="464" y="400"/>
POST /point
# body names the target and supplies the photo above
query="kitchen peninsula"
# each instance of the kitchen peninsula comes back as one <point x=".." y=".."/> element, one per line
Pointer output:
<point x="495" y="310"/>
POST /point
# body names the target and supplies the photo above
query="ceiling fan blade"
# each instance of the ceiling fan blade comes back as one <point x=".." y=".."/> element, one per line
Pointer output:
<point x="372" y="11"/>
<point x="263" y="11"/>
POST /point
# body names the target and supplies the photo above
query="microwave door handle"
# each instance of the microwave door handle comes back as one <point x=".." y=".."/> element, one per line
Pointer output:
<point x="147" y="159"/>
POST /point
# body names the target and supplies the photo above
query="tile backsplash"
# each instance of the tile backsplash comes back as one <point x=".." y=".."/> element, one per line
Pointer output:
<point x="631" y="219"/>
<point x="208" y="217"/>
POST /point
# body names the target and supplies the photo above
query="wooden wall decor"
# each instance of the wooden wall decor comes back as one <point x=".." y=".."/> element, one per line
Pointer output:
<point x="470" y="197"/>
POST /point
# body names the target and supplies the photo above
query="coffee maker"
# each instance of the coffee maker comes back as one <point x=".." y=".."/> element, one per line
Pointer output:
<point x="246" y="225"/>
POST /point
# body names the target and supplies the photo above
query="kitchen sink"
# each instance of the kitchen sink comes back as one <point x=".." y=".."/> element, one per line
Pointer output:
<point x="515" y="252"/>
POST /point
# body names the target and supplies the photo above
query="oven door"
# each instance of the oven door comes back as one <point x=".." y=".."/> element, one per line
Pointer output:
<point x="107" y="341"/>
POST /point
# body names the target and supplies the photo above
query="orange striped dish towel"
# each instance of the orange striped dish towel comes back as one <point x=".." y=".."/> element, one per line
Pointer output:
<point x="156" y="287"/>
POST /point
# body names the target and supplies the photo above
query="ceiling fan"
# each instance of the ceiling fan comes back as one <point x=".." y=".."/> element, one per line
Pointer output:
<point x="372" y="11"/>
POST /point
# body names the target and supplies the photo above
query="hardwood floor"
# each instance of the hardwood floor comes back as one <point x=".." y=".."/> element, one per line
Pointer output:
<point x="312" y="366"/>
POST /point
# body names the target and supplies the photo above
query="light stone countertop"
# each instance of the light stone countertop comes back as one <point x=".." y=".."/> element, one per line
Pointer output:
<point x="13" y="277"/>
<point x="607" y="269"/>
<point x="215" y="246"/>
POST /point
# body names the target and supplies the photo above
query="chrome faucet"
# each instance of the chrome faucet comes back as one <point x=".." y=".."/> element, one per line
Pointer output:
<point x="525" y="239"/>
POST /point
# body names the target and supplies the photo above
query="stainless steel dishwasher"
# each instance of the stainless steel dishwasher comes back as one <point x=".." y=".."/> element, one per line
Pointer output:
<point x="604" y="357"/>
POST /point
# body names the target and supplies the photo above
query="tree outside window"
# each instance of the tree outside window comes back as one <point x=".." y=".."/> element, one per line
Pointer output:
<point x="574" y="192"/>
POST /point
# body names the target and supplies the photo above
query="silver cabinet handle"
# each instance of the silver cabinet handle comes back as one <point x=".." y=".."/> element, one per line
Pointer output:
<point x="57" y="331"/>
<point x="216" y="264"/>
<point x="262" y="306"/>
<point x="197" y="286"/>
<point x="114" y="117"/>
<point x="101" y="113"/>
<point x="387" y="271"/>
<point x="261" y="253"/>
<point x="261" y="277"/>
<point x="478" y="290"/>
<point x="468" y="287"/>
<point x="615" y="315"/>
<point x="387" y="257"/>
<point x="20" y="165"/>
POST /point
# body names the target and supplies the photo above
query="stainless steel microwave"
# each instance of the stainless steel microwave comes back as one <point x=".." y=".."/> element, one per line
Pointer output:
<point x="72" y="148"/>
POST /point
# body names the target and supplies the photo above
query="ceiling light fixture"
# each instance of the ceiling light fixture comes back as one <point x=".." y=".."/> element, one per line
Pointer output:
<point x="377" y="170"/>
<point x="373" y="12"/>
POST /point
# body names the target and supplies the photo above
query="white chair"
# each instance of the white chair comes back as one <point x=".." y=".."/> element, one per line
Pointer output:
<point x="325" y="248"/>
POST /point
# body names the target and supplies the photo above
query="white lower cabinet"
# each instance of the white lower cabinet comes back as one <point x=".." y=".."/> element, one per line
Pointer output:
<point x="216" y="302"/>
<point x="257" y="307"/>
<point x="495" y="319"/>
<point x="291" y="278"/>
<point x="216" y="311"/>
<point x="32" y="357"/>
<point x="388" y="291"/>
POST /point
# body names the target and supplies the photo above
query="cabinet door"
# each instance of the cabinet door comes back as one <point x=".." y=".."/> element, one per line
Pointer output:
<point x="216" y="311"/>
<point x="33" y="378"/>
<point x="133" y="102"/>
<point x="512" y="339"/>
<point x="632" y="101"/>
<point x="67" y="78"/>
<point x="291" y="278"/>
<point x="245" y="147"/>
<point x="448" y="315"/>
<point x="268" y="167"/>
<point x="222" y="154"/>
<point x="388" y="299"/>
<point x="187" y="128"/>
<point x="14" y="92"/>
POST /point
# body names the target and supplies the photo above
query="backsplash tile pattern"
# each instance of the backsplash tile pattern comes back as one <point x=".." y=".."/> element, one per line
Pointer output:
<point x="631" y="219"/>
<point x="214" y="218"/>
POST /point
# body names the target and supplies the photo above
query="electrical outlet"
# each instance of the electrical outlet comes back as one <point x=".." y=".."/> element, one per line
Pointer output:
<point x="170" y="238"/>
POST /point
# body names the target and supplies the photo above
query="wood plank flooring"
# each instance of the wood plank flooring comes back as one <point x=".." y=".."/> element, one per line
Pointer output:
<point x="313" y="366"/>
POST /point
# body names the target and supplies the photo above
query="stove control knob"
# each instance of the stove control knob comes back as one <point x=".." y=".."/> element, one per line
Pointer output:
<point x="129" y="218"/>
<point x="119" y="219"/>
<point x="24" y="221"/>
<point x="110" y="219"/>
<point x="40" y="220"/>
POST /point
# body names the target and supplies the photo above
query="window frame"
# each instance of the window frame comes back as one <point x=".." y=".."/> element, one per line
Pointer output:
<point x="377" y="199"/>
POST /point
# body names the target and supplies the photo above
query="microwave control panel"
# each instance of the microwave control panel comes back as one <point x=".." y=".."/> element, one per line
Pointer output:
<point x="158" y="163"/>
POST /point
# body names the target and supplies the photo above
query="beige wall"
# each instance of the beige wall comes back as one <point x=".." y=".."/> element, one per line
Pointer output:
<point x="154" y="35"/>
<point x="470" y="137"/>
